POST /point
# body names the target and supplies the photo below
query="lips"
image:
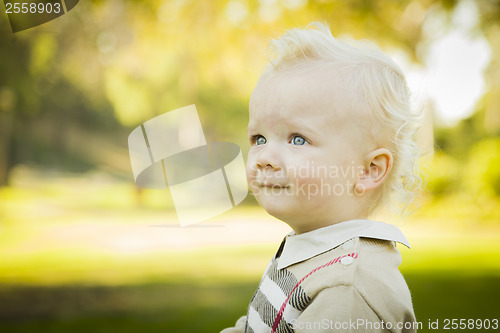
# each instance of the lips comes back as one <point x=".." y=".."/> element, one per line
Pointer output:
<point x="271" y="185"/>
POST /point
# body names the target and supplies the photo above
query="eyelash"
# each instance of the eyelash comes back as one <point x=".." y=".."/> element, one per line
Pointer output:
<point x="254" y="138"/>
<point x="299" y="136"/>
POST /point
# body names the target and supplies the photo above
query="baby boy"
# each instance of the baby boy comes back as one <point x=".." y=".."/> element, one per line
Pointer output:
<point x="332" y="141"/>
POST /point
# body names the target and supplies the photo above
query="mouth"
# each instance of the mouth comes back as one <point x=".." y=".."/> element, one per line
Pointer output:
<point x="269" y="185"/>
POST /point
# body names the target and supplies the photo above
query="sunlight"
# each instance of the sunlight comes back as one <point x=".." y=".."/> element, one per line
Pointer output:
<point x="455" y="61"/>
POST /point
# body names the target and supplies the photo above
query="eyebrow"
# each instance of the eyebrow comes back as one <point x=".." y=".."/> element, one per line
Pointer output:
<point x="299" y="124"/>
<point x="296" y="126"/>
<point x="250" y="129"/>
<point x="252" y="126"/>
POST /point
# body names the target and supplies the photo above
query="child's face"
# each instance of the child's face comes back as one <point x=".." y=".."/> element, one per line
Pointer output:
<point x="306" y="150"/>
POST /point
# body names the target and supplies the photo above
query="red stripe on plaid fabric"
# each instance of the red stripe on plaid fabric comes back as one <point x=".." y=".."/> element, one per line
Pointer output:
<point x="283" y="306"/>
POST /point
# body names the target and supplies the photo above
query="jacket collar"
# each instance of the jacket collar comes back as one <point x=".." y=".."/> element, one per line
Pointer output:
<point x="297" y="248"/>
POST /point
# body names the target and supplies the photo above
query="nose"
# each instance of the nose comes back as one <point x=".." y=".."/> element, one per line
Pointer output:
<point x="268" y="158"/>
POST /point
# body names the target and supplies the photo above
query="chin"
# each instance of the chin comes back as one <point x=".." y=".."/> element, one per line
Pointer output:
<point x="280" y="210"/>
<point x="290" y="218"/>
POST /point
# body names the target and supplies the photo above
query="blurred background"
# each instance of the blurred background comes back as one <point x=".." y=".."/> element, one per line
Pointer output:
<point x="82" y="249"/>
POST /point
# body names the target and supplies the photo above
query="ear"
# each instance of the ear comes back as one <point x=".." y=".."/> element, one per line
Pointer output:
<point x="378" y="165"/>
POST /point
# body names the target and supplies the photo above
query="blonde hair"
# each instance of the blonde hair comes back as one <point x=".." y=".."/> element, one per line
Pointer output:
<point x="376" y="83"/>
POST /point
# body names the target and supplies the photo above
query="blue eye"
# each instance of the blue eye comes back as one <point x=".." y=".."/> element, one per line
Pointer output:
<point x="259" y="140"/>
<point x="298" y="140"/>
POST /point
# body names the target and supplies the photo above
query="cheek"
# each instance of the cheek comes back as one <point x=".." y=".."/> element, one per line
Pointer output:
<point x="302" y="180"/>
<point x="250" y="170"/>
<point x="322" y="185"/>
<point x="312" y="172"/>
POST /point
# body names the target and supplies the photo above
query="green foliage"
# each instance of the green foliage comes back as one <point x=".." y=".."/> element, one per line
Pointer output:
<point x="458" y="140"/>
<point x="134" y="60"/>
<point x="443" y="175"/>
<point x="482" y="173"/>
<point x="70" y="92"/>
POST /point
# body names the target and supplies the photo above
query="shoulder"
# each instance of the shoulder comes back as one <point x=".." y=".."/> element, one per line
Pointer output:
<point x="379" y="281"/>
<point x="371" y="273"/>
<point x="368" y="257"/>
<point x="377" y="274"/>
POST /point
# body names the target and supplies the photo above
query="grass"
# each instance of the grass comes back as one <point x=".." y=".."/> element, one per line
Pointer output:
<point x="164" y="292"/>
<point x="173" y="307"/>
<point x="77" y="254"/>
<point x="209" y="307"/>
<point x="454" y="295"/>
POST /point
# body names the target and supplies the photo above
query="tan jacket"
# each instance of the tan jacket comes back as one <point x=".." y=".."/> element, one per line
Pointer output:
<point x="345" y="278"/>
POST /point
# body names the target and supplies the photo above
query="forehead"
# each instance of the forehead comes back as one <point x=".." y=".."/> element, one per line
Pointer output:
<point x="298" y="95"/>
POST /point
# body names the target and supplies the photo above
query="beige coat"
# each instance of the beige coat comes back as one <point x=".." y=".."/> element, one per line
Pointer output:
<point x="345" y="279"/>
